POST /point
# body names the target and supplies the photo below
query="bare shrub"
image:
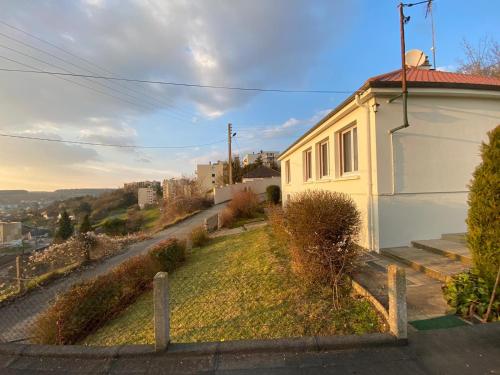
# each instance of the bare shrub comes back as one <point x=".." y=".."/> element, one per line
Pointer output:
<point x="182" y="206"/>
<point x="227" y="217"/>
<point x="89" y="305"/>
<point x="245" y="204"/>
<point x="199" y="236"/>
<point x="322" y="228"/>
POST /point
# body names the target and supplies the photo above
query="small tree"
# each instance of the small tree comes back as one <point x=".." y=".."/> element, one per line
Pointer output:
<point x="273" y="194"/>
<point x="483" y="219"/>
<point x="85" y="226"/>
<point x="65" y="229"/>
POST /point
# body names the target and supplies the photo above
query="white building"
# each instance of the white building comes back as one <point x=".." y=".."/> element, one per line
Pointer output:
<point x="210" y="175"/>
<point x="177" y="187"/>
<point x="10" y="231"/>
<point x="269" y="158"/>
<point x="411" y="183"/>
<point x="146" y="196"/>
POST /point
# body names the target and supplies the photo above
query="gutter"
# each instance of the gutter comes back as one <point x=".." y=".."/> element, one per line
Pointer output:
<point x="371" y="231"/>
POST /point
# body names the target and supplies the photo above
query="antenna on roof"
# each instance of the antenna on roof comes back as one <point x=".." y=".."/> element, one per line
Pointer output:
<point x="428" y="12"/>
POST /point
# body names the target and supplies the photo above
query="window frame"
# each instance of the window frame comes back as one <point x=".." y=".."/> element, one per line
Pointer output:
<point x="354" y="151"/>
<point x="288" y="175"/>
<point x="321" y="161"/>
<point x="307" y="164"/>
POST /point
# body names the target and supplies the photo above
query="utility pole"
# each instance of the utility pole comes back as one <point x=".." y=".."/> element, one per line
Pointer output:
<point x="230" y="156"/>
<point x="402" y="21"/>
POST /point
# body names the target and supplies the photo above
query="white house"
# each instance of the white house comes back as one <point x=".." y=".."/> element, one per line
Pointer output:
<point x="408" y="184"/>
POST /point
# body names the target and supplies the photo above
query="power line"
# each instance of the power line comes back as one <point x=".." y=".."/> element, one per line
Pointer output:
<point x="82" y="68"/>
<point x="68" y="80"/>
<point x="106" y="144"/>
<point x="141" y="92"/>
<point x="66" y="70"/>
<point x="179" y="83"/>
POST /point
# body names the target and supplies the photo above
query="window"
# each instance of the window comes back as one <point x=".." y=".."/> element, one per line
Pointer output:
<point x="324" y="167"/>
<point x="307" y="165"/>
<point x="288" y="177"/>
<point x="213" y="174"/>
<point x="349" y="150"/>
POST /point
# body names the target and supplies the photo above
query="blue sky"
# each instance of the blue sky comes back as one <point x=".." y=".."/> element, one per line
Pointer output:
<point x="287" y="44"/>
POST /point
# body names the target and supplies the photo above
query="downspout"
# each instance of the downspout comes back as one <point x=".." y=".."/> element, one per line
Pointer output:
<point x="366" y="107"/>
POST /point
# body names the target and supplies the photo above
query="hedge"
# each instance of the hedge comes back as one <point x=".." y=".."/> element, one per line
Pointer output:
<point x="90" y="305"/>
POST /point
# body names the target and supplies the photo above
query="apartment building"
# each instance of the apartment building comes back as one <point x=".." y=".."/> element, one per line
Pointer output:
<point x="177" y="187"/>
<point x="210" y="175"/>
<point x="146" y="196"/>
<point x="10" y="231"/>
<point x="269" y="158"/>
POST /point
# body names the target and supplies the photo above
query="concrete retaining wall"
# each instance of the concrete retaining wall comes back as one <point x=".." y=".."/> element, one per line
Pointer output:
<point x="258" y="186"/>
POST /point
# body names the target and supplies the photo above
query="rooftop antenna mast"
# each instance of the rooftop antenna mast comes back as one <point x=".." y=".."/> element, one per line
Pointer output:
<point x="428" y="12"/>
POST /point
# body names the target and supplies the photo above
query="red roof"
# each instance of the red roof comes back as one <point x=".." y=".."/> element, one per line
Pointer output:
<point x="434" y="78"/>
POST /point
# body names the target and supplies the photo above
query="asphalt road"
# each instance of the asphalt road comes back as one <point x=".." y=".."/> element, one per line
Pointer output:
<point x="466" y="350"/>
<point x="16" y="317"/>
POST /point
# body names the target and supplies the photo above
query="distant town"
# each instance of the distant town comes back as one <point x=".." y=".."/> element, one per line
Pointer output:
<point x="28" y="220"/>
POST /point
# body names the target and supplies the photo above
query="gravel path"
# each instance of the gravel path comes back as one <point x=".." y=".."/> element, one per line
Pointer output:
<point x="16" y="317"/>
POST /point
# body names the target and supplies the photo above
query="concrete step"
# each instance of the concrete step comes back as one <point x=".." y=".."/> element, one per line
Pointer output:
<point x="455" y="237"/>
<point x="449" y="249"/>
<point x="433" y="265"/>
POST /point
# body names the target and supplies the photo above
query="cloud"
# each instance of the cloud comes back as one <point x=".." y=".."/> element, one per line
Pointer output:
<point x="229" y="43"/>
<point x="288" y="128"/>
<point x="105" y="131"/>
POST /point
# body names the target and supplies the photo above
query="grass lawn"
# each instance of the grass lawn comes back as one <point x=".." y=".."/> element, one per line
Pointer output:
<point x="239" y="287"/>
<point x="151" y="217"/>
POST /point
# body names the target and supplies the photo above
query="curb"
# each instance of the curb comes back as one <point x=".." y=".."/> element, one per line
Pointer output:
<point x="304" y="344"/>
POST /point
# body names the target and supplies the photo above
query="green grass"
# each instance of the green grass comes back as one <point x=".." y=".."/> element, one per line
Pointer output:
<point x="242" y="221"/>
<point x="151" y="217"/>
<point x="239" y="287"/>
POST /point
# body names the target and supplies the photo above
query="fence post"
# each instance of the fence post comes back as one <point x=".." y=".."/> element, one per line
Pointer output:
<point x="161" y="311"/>
<point x="219" y="220"/>
<point x="398" y="319"/>
<point x="19" y="274"/>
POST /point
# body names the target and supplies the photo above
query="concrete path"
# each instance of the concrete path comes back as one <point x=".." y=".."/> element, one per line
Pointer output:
<point x="16" y="317"/>
<point x="470" y="350"/>
<point x="424" y="294"/>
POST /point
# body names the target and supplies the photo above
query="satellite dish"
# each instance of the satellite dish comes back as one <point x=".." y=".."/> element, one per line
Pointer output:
<point x="415" y="58"/>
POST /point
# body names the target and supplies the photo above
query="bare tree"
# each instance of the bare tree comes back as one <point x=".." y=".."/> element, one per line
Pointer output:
<point x="482" y="59"/>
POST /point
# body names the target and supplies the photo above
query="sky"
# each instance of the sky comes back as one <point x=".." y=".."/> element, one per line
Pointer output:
<point x="285" y="44"/>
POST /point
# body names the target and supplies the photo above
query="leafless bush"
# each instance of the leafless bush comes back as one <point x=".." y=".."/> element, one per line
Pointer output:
<point x="182" y="206"/>
<point x="321" y="228"/>
<point x="227" y="217"/>
<point x="245" y="204"/>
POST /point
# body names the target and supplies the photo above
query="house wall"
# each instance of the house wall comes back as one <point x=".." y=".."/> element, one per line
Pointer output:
<point x="433" y="162"/>
<point x="356" y="185"/>
<point x="258" y="186"/>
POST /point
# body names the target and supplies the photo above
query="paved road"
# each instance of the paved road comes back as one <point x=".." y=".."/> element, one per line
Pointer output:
<point x="470" y="350"/>
<point x="15" y="318"/>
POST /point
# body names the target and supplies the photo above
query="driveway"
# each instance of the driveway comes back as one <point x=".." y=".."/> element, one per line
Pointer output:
<point x="15" y="318"/>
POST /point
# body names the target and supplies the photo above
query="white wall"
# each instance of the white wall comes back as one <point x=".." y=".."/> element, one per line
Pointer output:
<point x="433" y="163"/>
<point x="258" y="186"/>
<point x="357" y="185"/>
